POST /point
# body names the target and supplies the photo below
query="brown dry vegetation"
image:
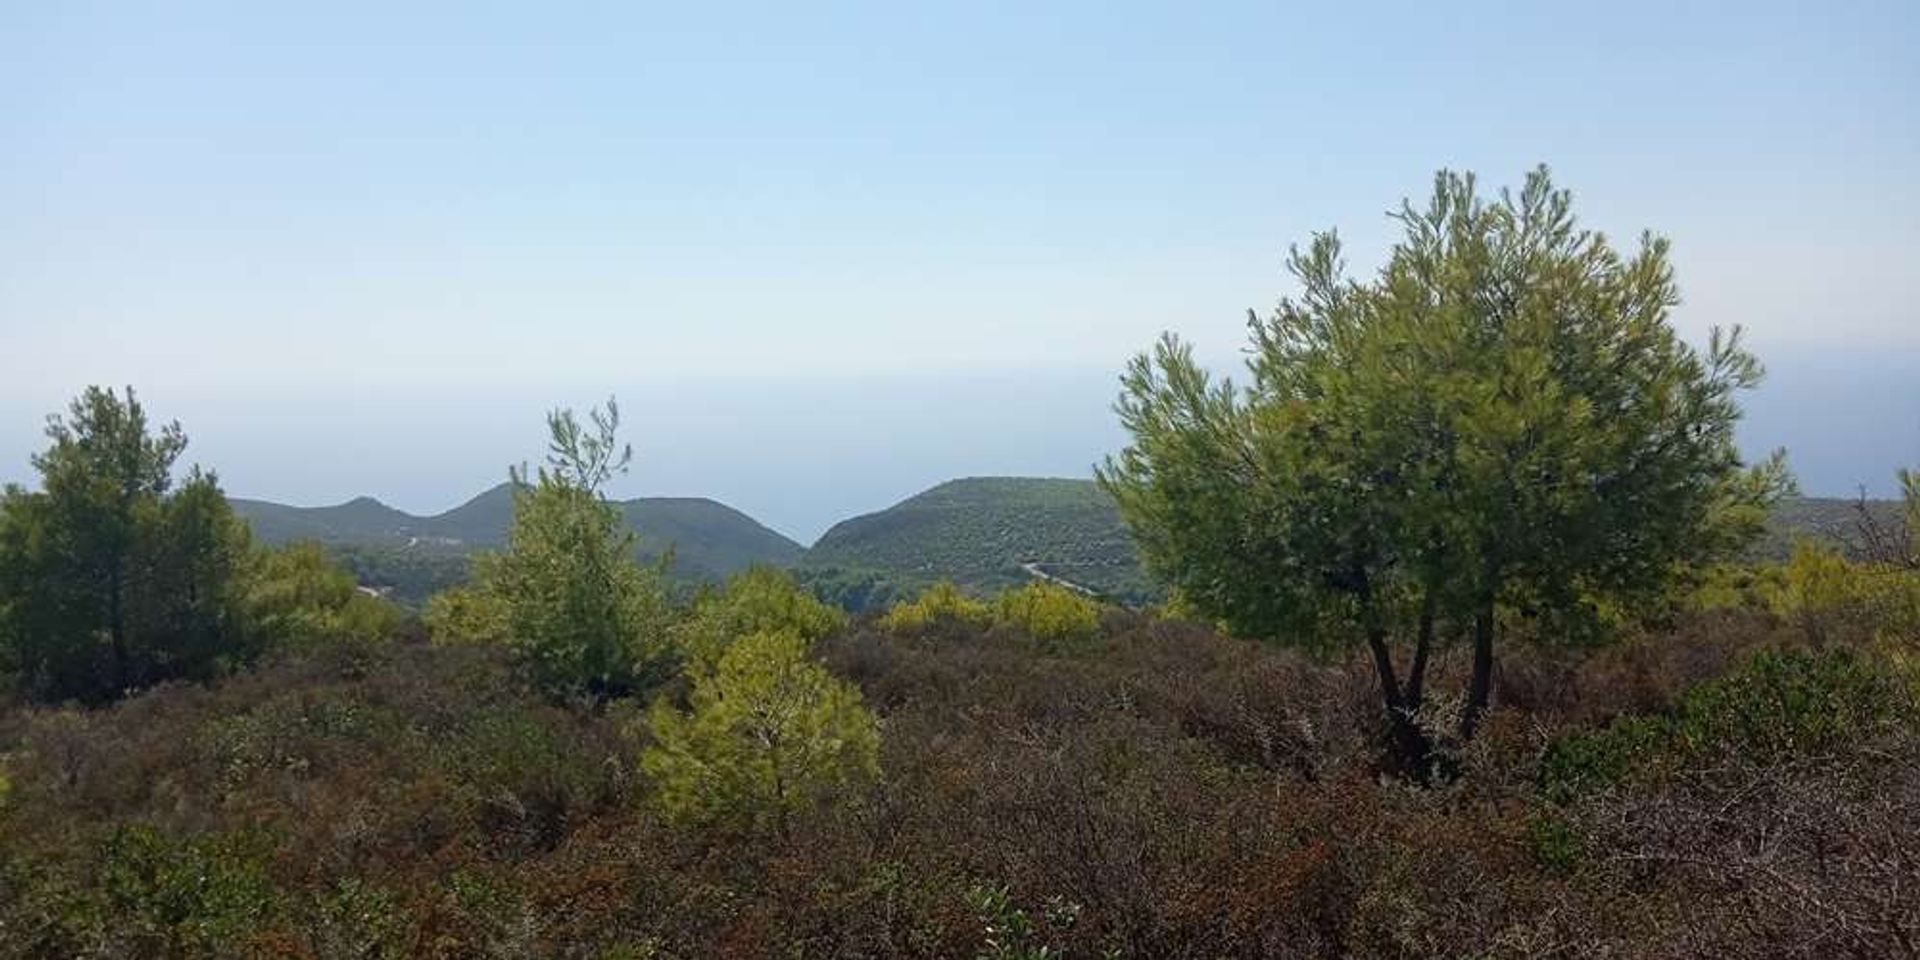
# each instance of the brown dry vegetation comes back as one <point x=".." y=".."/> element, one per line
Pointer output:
<point x="1161" y="792"/>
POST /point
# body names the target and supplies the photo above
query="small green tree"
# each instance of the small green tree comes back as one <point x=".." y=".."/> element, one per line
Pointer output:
<point x="943" y="602"/>
<point x="1501" y="421"/>
<point x="1896" y="543"/>
<point x="1057" y="617"/>
<point x="580" y="611"/>
<point x="112" y="578"/>
<point x="298" y="596"/>
<point x="759" y="599"/>
<point x="466" y="615"/>
<point x="769" y="734"/>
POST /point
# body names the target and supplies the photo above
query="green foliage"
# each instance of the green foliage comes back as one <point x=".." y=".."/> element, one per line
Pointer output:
<point x="758" y="600"/>
<point x="1556" y="843"/>
<point x="1057" y="617"/>
<point x="1730" y="586"/>
<point x="297" y="596"/>
<point x="1502" y="418"/>
<point x="1011" y="933"/>
<point x="980" y="531"/>
<point x="1776" y="707"/>
<point x="415" y="557"/>
<point x="189" y="895"/>
<point x="769" y="734"/>
<point x="1781" y="705"/>
<point x="410" y="576"/>
<point x="941" y="603"/>
<point x="583" y="616"/>
<point x="1184" y="794"/>
<point x="110" y="576"/>
<point x="853" y="590"/>
<point x="1821" y="589"/>
<point x="1585" y="762"/>
<point x="467" y="615"/>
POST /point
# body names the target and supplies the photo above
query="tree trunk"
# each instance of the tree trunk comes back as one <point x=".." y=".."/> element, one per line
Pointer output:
<point x="1481" y="684"/>
<point x="1417" y="671"/>
<point x="1412" y="749"/>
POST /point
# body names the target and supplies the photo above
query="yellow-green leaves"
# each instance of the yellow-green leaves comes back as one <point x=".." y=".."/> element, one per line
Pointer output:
<point x="298" y="596"/>
<point x="466" y="615"/>
<point x="1820" y="589"/>
<point x="760" y="599"/>
<point x="1500" y="419"/>
<point x="1057" y="617"/>
<point x="583" y="616"/>
<point x="942" y="602"/>
<point x="768" y="734"/>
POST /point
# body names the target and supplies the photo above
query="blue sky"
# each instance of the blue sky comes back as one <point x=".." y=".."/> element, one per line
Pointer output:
<point x="831" y="254"/>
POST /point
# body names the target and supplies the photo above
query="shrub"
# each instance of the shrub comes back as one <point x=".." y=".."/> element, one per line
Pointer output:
<point x="941" y="603"/>
<point x="567" y="596"/>
<point x="1776" y="706"/>
<point x="187" y="895"/>
<point x="465" y="615"/>
<point x="758" y="600"/>
<point x="297" y="596"/>
<point x="770" y="733"/>
<point x="1822" y="590"/>
<point x="1057" y="617"/>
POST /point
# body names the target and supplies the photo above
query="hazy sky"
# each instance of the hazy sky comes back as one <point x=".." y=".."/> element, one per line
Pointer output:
<point x="830" y="255"/>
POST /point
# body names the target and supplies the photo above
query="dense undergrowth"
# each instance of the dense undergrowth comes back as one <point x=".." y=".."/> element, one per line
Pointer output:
<point x="1733" y="785"/>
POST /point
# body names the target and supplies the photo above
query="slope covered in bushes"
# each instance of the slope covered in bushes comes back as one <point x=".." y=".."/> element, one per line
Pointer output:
<point x="993" y="532"/>
<point x="1159" y="791"/>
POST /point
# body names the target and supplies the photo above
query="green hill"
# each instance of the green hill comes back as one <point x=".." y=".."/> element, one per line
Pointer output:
<point x="1826" y="519"/>
<point x="416" y="555"/>
<point x="992" y="532"/>
<point x="985" y="533"/>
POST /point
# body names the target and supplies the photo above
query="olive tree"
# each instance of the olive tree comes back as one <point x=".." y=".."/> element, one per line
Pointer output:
<point x="1501" y="425"/>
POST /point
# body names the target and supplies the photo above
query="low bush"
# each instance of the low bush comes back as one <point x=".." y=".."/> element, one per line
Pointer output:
<point x="1168" y="792"/>
<point x="757" y="600"/>
<point x="1825" y="592"/>
<point x="768" y="734"/>
<point x="942" y="603"/>
<point x="1776" y="706"/>
<point x="1058" y="618"/>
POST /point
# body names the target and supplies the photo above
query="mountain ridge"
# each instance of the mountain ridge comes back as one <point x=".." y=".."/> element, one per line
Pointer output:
<point x="709" y="539"/>
<point x="983" y="532"/>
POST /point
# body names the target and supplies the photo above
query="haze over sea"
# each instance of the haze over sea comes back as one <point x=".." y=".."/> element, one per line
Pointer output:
<point x="828" y="257"/>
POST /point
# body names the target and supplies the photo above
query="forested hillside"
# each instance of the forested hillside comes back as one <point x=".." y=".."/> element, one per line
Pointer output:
<point x="418" y="555"/>
<point x="985" y="533"/>
<point x="1447" y="668"/>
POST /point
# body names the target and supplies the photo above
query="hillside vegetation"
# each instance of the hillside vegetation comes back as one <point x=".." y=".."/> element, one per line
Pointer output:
<point x="417" y="556"/>
<point x="981" y="531"/>
<point x="1466" y="651"/>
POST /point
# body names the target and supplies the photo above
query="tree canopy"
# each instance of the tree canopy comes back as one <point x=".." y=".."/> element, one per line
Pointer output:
<point x="112" y="577"/>
<point x="567" y="593"/>
<point x="1501" y="421"/>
